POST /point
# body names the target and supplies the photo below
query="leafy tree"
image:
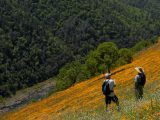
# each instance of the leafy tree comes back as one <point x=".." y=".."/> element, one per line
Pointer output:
<point x="107" y="54"/>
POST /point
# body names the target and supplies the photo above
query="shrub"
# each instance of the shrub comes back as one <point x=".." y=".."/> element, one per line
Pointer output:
<point x="141" y="45"/>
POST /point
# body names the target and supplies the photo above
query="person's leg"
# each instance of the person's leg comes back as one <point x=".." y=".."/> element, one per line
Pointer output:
<point x="108" y="101"/>
<point x="115" y="99"/>
<point x="137" y="91"/>
<point x="141" y="92"/>
<point x="137" y="94"/>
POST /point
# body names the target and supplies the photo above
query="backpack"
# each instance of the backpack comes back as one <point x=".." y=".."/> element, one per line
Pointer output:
<point x="105" y="88"/>
<point x="142" y="79"/>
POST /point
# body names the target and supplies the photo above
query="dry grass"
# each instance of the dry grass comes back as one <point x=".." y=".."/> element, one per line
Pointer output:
<point x="146" y="109"/>
<point x="85" y="101"/>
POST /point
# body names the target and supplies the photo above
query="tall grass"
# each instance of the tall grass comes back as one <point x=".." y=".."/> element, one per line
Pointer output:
<point x="147" y="108"/>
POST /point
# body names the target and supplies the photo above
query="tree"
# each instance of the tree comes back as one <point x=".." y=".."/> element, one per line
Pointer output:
<point x="107" y="54"/>
<point x="92" y="62"/>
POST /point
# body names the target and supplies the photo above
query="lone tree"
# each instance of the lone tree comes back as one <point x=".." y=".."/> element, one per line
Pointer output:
<point x="104" y="57"/>
<point x="107" y="54"/>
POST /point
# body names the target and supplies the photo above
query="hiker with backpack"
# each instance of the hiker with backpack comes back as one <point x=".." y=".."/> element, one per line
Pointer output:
<point x="140" y="80"/>
<point x="108" y="91"/>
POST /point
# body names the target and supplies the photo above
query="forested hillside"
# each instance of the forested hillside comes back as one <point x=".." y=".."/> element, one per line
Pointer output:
<point x="151" y="6"/>
<point x="28" y="49"/>
<point x="37" y="37"/>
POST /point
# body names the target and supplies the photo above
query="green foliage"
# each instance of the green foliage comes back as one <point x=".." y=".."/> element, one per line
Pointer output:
<point x="84" y="73"/>
<point x="107" y="54"/>
<point x="92" y="62"/>
<point x="154" y="39"/>
<point x="125" y="56"/>
<point x="102" y="68"/>
<point x="141" y="45"/>
<point x="104" y="57"/>
<point x="98" y="61"/>
<point x="1" y="99"/>
<point x="33" y="100"/>
<point x="70" y="74"/>
<point x="29" y="52"/>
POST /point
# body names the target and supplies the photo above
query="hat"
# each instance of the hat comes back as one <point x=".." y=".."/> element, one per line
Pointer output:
<point x="139" y="69"/>
<point x="107" y="75"/>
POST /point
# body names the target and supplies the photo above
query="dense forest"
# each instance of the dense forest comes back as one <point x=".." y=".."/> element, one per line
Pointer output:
<point x="38" y="37"/>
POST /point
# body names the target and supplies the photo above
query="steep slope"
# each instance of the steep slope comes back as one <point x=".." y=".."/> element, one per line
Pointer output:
<point x="87" y="96"/>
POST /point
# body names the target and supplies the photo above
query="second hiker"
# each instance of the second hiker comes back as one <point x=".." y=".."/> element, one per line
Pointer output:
<point x="140" y="80"/>
<point x="108" y="91"/>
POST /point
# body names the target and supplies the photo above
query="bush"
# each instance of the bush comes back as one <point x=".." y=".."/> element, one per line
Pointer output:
<point x="70" y="74"/>
<point x="141" y="45"/>
<point x="125" y="57"/>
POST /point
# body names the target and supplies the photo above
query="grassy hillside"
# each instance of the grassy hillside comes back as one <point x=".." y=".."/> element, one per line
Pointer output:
<point x="85" y="101"/>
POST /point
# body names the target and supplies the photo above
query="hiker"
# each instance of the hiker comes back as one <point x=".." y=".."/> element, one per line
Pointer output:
<point x="108" y="91"/>
<point x="140" y="80"/>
